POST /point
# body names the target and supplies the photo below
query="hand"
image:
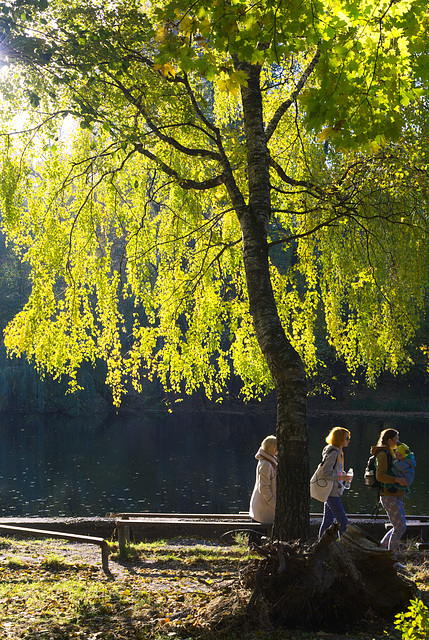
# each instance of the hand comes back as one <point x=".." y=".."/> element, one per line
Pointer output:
<point x="402" y="482"/>
<point x="344" y="477"/>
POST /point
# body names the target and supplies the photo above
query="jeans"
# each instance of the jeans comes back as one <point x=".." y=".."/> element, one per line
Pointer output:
<point x="333" y="510"/>
<point x="396" y="511"/>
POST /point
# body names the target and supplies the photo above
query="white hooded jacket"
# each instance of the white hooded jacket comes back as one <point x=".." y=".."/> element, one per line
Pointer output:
<point x="263" y="500"/>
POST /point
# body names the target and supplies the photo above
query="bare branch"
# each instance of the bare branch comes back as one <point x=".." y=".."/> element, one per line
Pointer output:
<point x="291" y="181"/>
<point x="196" y="106"/>
<point x="172" y="173"/>
<point x="39" y="126"/>
<point x="305" y="234"/>
<point x="285" y="106"/>
<point x="189" y="151"/>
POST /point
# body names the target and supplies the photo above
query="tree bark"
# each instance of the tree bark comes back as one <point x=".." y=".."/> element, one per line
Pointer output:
<point x="286" y="367"/>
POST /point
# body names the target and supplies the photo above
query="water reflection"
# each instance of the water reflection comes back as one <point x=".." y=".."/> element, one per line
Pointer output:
<point x="175" y="462"/>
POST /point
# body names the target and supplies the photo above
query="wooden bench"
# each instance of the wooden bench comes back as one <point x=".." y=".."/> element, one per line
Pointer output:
<point x="151" y="524"/>
<point x="73" y="537"/>
<point x="202" y="523"/>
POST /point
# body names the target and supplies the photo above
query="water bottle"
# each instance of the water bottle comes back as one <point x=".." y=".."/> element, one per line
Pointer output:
<point x="347" y="484"/>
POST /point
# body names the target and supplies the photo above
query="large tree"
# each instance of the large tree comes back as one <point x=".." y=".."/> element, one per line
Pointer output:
<point x="232" y="176"/>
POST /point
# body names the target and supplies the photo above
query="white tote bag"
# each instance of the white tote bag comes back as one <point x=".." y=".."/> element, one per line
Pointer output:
<point x="320" y="488"/>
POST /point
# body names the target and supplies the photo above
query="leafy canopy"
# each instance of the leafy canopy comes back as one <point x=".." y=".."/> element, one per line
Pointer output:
<point x="130" y="221"/>
<point x="370" y="55"/>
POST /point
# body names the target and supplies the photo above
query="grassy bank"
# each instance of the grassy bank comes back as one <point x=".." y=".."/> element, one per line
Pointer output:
<point x="160" y="591"/>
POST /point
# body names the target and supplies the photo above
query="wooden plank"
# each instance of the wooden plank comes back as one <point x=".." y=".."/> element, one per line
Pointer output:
<point x="202" y="523"/>
<point x="411" y="525"/>
<point x="218" y="516"/>
<point x="242" y="515"/>
<point x="44" y="533"/>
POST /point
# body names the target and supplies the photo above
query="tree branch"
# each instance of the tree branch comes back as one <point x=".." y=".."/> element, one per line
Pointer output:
<point x="294" y="183"/>
<point x="296" y="236"/>
<point x="172" y="173"/>
<point x="172" y="141"/>
<point x="285" y="106"/>
<point x="196" y="106"/>
<point x="157" y="130"/>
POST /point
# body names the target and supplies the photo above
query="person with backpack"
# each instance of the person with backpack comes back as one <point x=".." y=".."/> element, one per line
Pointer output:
<point x="332" y="469"/>
<point x="384" y="452"/>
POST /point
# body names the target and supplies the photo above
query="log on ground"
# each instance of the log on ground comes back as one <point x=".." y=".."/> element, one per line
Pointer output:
<point x="329" y="585"/>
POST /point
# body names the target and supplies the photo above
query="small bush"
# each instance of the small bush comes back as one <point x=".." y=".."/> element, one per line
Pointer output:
<point x="16" y="563"/>
<point x="414" y="623"/>
<point x="241" y="538"/>
<point x="5" y="543"/>
<point x="54" y="563"/>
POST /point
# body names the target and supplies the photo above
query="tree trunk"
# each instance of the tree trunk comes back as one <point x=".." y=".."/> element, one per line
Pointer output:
<point x="286" y="367"/>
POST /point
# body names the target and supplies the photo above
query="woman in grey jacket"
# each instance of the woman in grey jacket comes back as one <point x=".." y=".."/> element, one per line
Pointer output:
<point x="263" y="500"/>
<point x="333" y="469"/>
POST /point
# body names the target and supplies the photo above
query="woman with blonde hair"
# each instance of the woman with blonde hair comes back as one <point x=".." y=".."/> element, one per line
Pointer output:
<point x="263" y="500"/>
<point x="332" y="468"/>
<point x="393" y="502"/>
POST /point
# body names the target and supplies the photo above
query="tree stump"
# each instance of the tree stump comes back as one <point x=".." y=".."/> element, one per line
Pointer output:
<point x="330" y="585"/>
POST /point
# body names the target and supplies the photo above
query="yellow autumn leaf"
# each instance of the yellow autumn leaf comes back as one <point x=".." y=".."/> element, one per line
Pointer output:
<point x="168" y="68"/>
<point x="233" y="87"/>
<point x="324" y="134"/>
<point x="165" y="69"/>
<point x="228" y="84"/>
<point x="221" y="84"/>
<point x="161" y="34"/>
<point x="374" y="147"/>
<point x="185" y="25"/>
<point x="239" y="77"/>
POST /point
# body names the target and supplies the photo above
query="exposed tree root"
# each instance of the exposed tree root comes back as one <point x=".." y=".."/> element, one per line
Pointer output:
<point x="329" y="585"/>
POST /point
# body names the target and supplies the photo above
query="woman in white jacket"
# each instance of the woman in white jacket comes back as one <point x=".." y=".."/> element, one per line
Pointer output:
<point x="263" y="500"/>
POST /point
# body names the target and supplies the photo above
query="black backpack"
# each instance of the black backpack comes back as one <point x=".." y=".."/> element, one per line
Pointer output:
<point x="370" y="478"/>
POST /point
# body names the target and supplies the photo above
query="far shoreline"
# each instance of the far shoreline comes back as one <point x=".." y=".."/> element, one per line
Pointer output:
<point x="370" y="413"/>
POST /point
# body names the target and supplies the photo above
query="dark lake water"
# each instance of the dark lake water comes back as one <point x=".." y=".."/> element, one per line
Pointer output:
<point x="189" y="463"/>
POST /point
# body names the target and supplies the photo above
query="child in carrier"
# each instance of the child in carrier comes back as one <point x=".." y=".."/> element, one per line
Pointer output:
<point x="402" y="467"/>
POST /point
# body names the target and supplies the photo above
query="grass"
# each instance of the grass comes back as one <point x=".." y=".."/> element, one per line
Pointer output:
<point x="55" y="563"/>
<point x="163" y="591"/>
<point x="35" y="603"/>
<point x="15" y="563"/>
<point x="44" y="595"/>
<point x="195" y="554"/>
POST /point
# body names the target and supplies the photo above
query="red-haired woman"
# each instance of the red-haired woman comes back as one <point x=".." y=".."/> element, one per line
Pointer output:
<point x="333" y="469"/>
